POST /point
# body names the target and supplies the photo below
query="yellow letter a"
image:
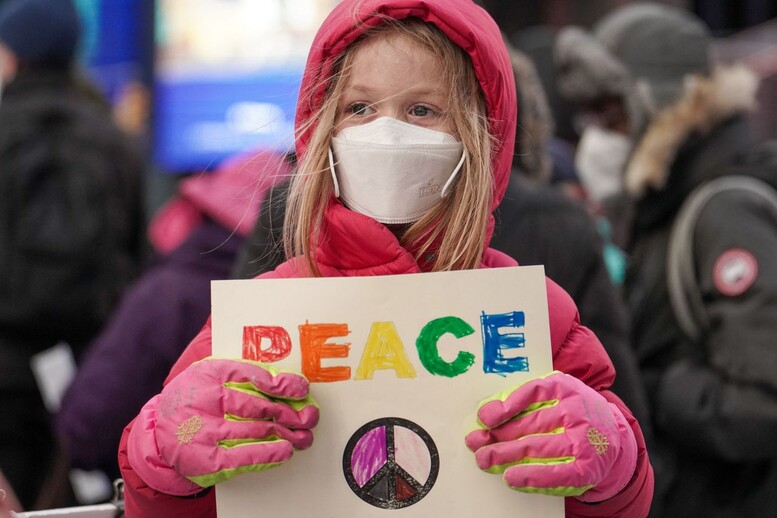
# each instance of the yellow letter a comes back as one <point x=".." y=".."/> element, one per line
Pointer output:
<point x="384" y="350"/>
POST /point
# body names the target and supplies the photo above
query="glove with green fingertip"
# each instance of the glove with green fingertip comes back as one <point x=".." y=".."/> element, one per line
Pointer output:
<point x="555" y="435"/>
<point x="217" y="419"/>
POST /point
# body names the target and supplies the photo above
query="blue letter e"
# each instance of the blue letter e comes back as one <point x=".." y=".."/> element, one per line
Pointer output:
<point x="495" y="344"/>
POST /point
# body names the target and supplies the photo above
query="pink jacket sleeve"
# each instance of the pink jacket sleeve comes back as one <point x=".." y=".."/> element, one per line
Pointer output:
<point x="140" y="501"/>
<point x="578" y="352"/>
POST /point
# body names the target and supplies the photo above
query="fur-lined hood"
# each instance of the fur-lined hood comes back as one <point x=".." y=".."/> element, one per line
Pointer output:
<point x="705" y="103"/>
<point x="465" y="23"/>
<point x="535" y="121"/>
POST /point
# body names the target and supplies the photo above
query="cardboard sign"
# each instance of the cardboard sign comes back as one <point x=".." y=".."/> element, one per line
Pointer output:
<point x="398" y="365"/>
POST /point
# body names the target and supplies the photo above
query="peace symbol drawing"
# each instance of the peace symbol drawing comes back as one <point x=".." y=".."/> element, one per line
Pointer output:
<point x="391" y="463"/>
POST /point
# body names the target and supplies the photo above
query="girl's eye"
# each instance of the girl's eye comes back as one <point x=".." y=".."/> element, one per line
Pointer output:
<point x="420" y="110"/>
<point x="360" y="109"/>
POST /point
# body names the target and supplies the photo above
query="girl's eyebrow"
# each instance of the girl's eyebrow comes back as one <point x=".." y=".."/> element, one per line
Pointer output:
<point x="360" y="88"/>
<point x="417" y="90"/>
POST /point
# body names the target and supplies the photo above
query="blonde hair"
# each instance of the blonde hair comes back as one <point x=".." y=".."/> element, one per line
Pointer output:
<point x="455" y="229"/>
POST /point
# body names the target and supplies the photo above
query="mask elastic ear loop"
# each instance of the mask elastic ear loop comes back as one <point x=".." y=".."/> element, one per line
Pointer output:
<point x="332" y="171"/>
<point x="449" y="184"/>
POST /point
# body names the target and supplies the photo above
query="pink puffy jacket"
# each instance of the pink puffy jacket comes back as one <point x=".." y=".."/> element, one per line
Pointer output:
<point x="358" y="245"/>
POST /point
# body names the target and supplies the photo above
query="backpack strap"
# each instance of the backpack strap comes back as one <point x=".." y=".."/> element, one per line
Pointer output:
<point x="684" y="291"/>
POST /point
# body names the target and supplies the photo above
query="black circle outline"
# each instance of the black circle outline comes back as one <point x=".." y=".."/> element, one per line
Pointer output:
<point x="421" y="490"/>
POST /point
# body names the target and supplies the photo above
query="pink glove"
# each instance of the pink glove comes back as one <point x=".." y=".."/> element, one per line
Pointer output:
<point x="555" y="435"/>
<point x="217" y="419"/>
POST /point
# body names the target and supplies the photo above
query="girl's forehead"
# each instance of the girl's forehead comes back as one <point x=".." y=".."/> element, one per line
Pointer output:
<point x="391" y="43"/>
<point x="394" y="58"/>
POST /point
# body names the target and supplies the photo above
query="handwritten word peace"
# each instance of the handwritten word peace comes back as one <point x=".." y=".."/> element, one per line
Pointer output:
<point x="384" y="350"/>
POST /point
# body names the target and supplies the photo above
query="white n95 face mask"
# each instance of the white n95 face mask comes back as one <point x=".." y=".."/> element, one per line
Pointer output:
<point x="600" y="159"/>
<point x="393" y="171"/>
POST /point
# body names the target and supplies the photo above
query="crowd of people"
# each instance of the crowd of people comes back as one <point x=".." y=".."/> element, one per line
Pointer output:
<point x="657" y="229"/>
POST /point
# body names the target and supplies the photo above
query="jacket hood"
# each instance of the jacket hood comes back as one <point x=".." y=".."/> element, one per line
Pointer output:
<point x="466" y="24"/>
<point x="230" y="196"/>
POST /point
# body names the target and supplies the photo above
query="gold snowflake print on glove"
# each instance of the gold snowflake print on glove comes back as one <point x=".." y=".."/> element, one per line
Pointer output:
<point x="598" y="440"/>
<point x="188" y="429"/>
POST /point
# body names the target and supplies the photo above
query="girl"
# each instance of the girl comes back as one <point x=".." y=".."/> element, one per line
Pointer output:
<point x="405" y="124"/>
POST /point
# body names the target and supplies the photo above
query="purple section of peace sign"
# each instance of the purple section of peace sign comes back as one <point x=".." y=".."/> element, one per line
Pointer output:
<point x="369" y="455"/>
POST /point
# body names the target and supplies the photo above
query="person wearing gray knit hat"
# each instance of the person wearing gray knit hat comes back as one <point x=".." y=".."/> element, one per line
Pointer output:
<point x="643" y="60"/>
<point x="643" y="53"/>
<point x="666" y="125"/>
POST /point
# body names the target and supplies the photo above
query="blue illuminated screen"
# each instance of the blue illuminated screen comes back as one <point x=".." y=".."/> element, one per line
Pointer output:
<point x="227" y="74"/>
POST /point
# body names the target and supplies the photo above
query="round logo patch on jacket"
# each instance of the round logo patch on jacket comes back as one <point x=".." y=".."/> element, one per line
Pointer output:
<point x="734" y="272"/>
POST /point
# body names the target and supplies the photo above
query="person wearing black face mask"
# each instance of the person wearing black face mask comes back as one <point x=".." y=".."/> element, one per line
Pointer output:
<point x="646" y="73"/>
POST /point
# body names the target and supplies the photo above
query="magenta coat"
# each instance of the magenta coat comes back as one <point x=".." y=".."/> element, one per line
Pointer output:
<point x="357" y="245"/>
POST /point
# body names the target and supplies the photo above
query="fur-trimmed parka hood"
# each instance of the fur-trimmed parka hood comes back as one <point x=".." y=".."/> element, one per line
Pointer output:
<point x="704" y="105"/>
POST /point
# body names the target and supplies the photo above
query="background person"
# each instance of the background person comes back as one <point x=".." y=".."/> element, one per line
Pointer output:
<point x="71" y="219"/>
<point x="667" y="120"/>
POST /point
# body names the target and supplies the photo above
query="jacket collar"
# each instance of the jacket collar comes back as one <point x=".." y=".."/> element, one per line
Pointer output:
<point x="355" y="245"/>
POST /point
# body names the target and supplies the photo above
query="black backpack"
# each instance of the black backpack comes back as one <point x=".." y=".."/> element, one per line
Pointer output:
<point x="743" y="175"/>
<point x="70" y="217"/>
